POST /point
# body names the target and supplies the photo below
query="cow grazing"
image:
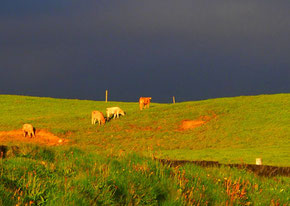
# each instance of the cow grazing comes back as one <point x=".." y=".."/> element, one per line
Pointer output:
<point x="144" y="102"/>
<point x="96" y="115"/>
<point x="116" y="111"/>
<point x="29" y="130"/>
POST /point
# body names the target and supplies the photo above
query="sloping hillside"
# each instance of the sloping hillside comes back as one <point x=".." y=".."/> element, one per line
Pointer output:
<point x="229" y="130"/>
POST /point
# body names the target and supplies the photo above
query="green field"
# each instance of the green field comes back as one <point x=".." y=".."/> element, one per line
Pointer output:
<point x="244" y="127"/>
<point x="111" y="165"/>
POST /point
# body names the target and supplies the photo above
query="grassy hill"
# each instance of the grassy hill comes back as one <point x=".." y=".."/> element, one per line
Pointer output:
<point x="110" y="164"/>
<point x="238" y="129"/>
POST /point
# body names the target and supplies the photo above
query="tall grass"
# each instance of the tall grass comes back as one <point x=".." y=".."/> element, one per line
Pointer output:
<point x="75" y="177"/>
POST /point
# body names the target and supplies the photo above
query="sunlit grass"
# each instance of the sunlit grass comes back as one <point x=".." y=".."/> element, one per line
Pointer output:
<point x="78" y="178"/>
<point x="112" y="165"/>
<point x="243" y="128"/>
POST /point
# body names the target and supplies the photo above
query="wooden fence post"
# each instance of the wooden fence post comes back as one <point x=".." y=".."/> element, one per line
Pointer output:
<point x="173" y="98"/>
<point x="106" y="96"/>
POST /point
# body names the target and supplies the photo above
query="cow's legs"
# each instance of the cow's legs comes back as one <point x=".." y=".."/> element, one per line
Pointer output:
<point x="141" y="106"/>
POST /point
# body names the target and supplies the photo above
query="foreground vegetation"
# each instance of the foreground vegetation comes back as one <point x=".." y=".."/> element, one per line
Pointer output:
<point x="112" y="165"/>
<point x="70" y="176"/>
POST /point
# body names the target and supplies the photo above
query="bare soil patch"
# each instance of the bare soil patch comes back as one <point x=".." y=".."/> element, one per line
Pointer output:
<point x="42" y="137"/>
<point x="191" y="124"/>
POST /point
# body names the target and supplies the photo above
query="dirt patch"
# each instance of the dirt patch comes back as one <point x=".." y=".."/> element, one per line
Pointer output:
<point x="42" y="137"/>
<point x="191" y="124"/>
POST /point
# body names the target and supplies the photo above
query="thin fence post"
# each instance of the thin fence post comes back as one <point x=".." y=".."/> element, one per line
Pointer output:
<point x="173" y="98"/>
<point x="106" y="96"/>
<point x="258" y="161"/>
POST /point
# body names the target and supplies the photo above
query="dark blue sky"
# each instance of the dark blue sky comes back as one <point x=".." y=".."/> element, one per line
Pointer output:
<point x="190" y="49"/>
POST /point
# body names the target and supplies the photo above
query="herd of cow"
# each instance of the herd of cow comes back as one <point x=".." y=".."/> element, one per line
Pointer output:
<point x="117" y="111"/>
<point x="29" y="130"/>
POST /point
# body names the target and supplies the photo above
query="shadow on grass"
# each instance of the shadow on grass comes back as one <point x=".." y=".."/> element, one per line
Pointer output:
<point x="108" y="119"/>
<point x="3" y="151"/>
<point x="261" y="170"/>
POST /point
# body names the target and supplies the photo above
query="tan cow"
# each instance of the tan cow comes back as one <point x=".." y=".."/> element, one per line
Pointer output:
<point x="96" y="115"/>
<point x="29" y="130"/>
<point x="116" y="111"/>
<point x="144" y="102"/>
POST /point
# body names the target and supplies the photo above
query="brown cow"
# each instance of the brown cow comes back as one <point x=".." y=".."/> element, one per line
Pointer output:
<point x="144" y="102"/>
<point x="96" y="115"/>
<point x="29" y="130"/>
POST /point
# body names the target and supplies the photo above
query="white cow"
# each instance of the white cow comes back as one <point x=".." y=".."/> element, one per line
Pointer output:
<point x="116" y="111"/>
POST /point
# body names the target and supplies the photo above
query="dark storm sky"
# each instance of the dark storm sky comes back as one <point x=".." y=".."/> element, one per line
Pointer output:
<point x="192" y="49"/>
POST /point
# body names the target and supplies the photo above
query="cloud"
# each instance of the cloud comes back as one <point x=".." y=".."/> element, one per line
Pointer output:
<point x="223" y="47"/>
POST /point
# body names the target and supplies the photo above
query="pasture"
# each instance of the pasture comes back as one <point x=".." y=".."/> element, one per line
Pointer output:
<point x="112" y="164"/>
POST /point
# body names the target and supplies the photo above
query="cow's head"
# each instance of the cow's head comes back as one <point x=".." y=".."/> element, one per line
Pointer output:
<point x="122" y="112"/>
